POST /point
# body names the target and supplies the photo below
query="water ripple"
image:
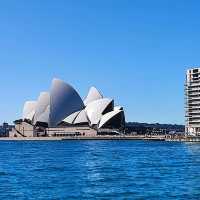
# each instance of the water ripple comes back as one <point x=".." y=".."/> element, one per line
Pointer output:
<point x="99" y="170"/>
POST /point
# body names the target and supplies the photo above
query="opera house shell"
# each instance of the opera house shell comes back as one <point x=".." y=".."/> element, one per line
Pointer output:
<point x="63" y="106"/>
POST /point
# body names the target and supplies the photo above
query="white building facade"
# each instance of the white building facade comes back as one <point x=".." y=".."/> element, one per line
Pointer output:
<point x="192" y="100"/>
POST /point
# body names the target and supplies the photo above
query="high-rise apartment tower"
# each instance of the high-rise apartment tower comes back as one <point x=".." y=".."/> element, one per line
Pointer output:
<point x="192" y="98"/>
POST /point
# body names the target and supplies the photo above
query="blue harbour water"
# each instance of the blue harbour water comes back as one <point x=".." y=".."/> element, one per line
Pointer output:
<point x="99" y="170"/>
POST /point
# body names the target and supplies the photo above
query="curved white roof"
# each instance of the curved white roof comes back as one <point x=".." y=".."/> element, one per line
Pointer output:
<point x="118" y="108"/>
<point x="108" y="116"/>
<point x="93" y="95"/>
<point x="29" y="109"/>
<point x="44" y="117"/>
<point x="64" y="100"/>
<point x="43" y="108"/>
<point x="71" y="117"/>
<point x="95" y="109"/>
<point x="81" y="118"/>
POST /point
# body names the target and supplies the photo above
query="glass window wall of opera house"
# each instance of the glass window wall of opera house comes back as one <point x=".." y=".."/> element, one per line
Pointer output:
<point x="62" y="112"/>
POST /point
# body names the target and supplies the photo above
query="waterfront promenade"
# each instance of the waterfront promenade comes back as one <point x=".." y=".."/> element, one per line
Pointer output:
<point x="105" y="137"/>
<point x="168" y="138"/>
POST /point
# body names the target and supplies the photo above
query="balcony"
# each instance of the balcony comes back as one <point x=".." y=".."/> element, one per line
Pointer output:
<point x="197" y="107"/>
<point x="191" y="91"/>
<point x="193" y="111"/>
<point x="193" y="83"/>
<point x="197" y="123"/>
<point x="190" y="119"/>
<point x="193" y="95"/>
<point x="193" y="98"/>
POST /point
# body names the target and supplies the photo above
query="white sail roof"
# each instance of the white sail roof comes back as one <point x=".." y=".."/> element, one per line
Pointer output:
<point x="95" y="109"/>
<point x="93" y="95"/>
<point x="71" y="117"/>
<point x="63" y="103"/>
<point x="44" y="117"/>
<point x="64" y="100"/>
<point x="29" y="109"/>
<point x="118" y="108"/>
<point x="81" y="118"/>
<point x="108" y="116"/>
<point x="43" y="108"/>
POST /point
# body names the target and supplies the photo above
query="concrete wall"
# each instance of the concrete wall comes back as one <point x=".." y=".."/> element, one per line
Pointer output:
<point x="25" y="129"/>
<point x="14" y="133"/>
<point x="79" y="131"/>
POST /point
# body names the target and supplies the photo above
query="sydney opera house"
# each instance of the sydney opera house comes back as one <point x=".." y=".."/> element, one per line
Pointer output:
<point x="62" y="112"/>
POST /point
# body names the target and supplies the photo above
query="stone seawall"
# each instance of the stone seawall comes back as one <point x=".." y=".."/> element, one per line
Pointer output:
<point x="156" y="138"/>
<point x="107" y="137"/>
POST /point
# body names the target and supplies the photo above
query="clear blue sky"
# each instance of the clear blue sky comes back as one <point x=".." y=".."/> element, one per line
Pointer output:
<point x="135" y="51"/>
